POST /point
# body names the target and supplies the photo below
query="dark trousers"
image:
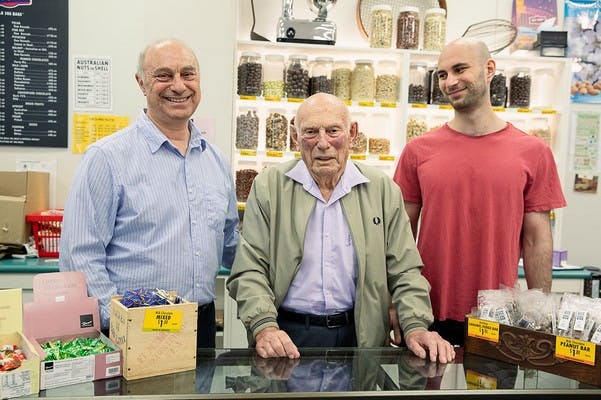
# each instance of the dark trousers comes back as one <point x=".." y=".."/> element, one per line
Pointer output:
<point x="450" y="330"/>
<point x="305" y="335"/>
<point x="206" y="327"/>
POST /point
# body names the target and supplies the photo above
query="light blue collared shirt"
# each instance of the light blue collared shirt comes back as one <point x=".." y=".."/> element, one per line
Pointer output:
<point x="326" y="280"/>
<point x="141" y="215"/>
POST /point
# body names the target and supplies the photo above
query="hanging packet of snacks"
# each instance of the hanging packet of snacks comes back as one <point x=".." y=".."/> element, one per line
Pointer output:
<point x="581" y="21"/>
<point x="573" y="318"/>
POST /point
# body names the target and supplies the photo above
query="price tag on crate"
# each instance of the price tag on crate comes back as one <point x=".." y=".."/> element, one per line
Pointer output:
<point x="575" y="350"/>
<point x="479" y="328"/>
<point x="162" y="320"/>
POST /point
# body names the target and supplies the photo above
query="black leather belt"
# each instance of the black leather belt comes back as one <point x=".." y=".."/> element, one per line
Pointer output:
<point x="331" y="321"/>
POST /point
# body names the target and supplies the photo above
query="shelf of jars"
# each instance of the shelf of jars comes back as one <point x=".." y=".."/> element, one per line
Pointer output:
<point x="393" y="94"/>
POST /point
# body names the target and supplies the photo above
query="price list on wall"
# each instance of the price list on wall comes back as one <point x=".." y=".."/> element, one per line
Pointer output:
<point x="34" y="72"/>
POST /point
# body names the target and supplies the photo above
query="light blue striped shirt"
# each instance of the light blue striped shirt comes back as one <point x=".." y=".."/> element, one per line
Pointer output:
<point x="139" y="214"/>
<point x="327" y="277"/>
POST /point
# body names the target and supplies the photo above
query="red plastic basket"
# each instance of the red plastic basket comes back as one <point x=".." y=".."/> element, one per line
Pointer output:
<point x="46" y="232"/>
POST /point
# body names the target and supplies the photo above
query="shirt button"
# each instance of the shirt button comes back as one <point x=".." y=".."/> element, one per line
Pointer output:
<point x="194" y="222"/>
<point x="197" y="254"/>
<point x="197" y="285"/>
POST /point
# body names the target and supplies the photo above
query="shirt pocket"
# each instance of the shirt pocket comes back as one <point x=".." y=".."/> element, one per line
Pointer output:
<point x="215" y="204"/>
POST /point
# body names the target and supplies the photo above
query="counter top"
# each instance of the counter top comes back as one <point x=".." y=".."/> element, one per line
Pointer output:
<point x="336" y="373"/>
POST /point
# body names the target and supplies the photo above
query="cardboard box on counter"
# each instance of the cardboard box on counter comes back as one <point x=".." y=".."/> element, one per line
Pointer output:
<point x="62" y="310"/>
<point x="21" y="193"/>
<point x="24" y="380"/>
<point x="571" y="358"/>
<point x="155" y="340"/>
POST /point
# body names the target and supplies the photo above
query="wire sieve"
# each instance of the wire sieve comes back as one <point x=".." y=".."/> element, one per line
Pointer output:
<point x="497" y="34"/>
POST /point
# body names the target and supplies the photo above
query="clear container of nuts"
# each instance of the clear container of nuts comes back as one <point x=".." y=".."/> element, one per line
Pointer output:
<point x="435" y="29"/>
<point x="436" y="95"/>
<point x="276" y="131"/>
<point x="244" y="180"/>
<point x="387" y="82"/>
<point x="297" y="77"/>
<point x="539" y="127"/>
<point x="418" y="82"/>
<point x="273" y="77"/>
<point x="321" y="75"/>
<point x="543" y="82"/>
<point x="363" y="81"/>
<point x="379" y="146"/>
<point x="408" y="28"/>
<point x="519" y="87"/>
<point x="250" y="71"/>
<point x="359" y="145"/>
<point x="498" y="89"/>
<point x="341" y="79"/>
<point x="416" y="126"/>
<point x="247" y="129"/>
<point x="380" y="26"/>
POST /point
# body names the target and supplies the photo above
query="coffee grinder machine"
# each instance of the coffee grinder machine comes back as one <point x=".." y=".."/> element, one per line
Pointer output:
<point x="317" y="31"/>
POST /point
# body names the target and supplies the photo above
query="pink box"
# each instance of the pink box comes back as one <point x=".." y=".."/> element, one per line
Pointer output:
<point x="62" y="310"/>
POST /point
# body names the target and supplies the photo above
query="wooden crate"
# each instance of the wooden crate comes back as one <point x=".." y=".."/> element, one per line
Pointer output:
<point x="561" y="356"/>
<point x="155" y="340"/>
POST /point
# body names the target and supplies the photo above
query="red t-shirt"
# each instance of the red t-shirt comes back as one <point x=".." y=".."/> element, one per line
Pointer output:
<point x="474" y="191"/>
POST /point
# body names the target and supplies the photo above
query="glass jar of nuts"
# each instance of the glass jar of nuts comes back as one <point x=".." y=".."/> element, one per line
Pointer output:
<point x="273" y="77"/>
<point x="363" y="81"/>
<point x="435" y="29"/>
<point x="380" y="26"/>
<point x="250" y="71"/>
<point x="321" y="75"/>
<point x="276" y="131"/>
<point x="418" y="82"/>
<point x="498" y="89"/>
<point x="297" y="77"/>
<point x="341" y="79"/>
<point x="519" y="87"/>
<point x="387" y="82"/>
<point x="408" y="28"/>
<point x="247" y="129"/>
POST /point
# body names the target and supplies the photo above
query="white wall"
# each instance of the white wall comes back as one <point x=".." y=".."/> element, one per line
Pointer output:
<point x="120" y="29"/>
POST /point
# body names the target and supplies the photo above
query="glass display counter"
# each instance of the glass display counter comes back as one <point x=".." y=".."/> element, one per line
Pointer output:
<point x="339" y="373"/>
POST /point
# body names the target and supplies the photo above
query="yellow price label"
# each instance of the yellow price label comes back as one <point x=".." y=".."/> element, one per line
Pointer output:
<point x="524" y="110"/>
<point x="163" y="320"/>
<point x="476" y="381"/>
<point x="247" y="152"/>
<point x="499" y="109"/>
<point x="273" y="99"/>
<point x="548" y="111"/>
<point x="445" y="107"/>
<point x="348" y="102"/>
<point x="241" y="206"/>
<point x="295" y="100"/>
<point x="390" y="104"/>
<point x="418" y="105"/>
<point x="274" y="153"/>
<point x="479" y="328"/>
<point x="575" y="350"/>
<point x="248" y="97"/>
<point x="366" y="103"/>
<point x="297" y="154"/>
<point x="386" y="158"/>
<point x="358" y="157"/>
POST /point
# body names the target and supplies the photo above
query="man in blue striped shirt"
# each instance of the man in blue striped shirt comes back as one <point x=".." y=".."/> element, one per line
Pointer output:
<point x="153" y="205"/>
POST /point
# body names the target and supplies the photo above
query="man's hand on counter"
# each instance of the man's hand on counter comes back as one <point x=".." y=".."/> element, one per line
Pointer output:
<point x="423" y="343"/>
<point x="274" y="342"/>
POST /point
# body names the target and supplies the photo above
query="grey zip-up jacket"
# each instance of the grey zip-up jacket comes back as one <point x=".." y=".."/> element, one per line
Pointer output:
<point x="270" y="251"/>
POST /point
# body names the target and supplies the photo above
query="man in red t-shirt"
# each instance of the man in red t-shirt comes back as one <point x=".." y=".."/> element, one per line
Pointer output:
<point x="484" y="190"/>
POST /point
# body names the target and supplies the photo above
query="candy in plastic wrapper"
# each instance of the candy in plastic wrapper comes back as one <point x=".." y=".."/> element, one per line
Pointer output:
<point x="148" y="297"/>
<point x="11" y="357"/>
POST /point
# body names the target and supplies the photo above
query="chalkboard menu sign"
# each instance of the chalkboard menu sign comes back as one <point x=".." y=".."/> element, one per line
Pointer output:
<point x="34" y="70"/>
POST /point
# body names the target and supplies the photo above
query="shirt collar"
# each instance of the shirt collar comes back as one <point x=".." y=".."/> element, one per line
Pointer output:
<point x="156" y="138"/>
<point x="350" y="177"/>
